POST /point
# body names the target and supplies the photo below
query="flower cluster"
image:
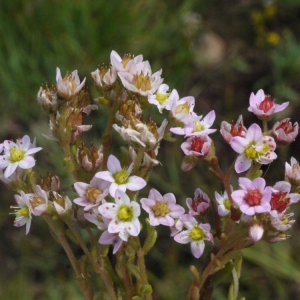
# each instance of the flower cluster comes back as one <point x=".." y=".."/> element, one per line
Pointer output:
<point x="108" y="184"/>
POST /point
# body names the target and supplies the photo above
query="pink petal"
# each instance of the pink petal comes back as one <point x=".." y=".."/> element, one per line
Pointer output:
<point x="27" y="162"/>
<point x="197" y="248"/>
<point x="133" y="227"/>
<point x="242" y="163"/>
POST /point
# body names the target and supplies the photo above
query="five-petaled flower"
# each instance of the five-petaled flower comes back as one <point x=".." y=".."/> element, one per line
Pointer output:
<point x="162" y="209"/>
<point x="17" y="155"/>
<point x="263" y="106"/>
<point x="22" y="211"/>
<point x="119" y="177"/>
<point x="195" y="234"/>
<point x="253" y="197"/>
<point x="68" y="86"/>
<point x="91" y="194"/>
<point x="254" y="146"/>
<point x="199" y="204"/>
<point x="284" y="132"/>
<point x="123" y="215"/>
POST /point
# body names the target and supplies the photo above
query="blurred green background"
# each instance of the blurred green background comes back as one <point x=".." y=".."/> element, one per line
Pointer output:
<point x="215" y="50"/>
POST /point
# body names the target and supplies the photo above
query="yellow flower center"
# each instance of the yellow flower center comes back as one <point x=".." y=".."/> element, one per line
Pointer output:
<point x="198" y="127"/>
<point x="182" y="108"/>
<point x="160" y="209"/>
<point x="161" y="98"/>
<point x="227" y="204"/>
<point x="36" y="201"/>
<point x="252" y="153"/>
<point x="92" y="193"/>
<point x="16" y="155"/>
<point x="121" y="177"/>
<point x="197" y="234"/>
<point x="23" y="212"/>
<point x="125" y="213"/>
<point x="142" y="82"/>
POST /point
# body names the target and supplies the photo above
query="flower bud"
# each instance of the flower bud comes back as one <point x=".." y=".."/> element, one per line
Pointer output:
<point x="89" y="159"/>
<point x="188" y="163"/>
<point x="229" y="131"/>
<point x="68" y="86"/>
<point x="105" y="77"/>
<point x="47" y="98"/>
<point x="256" y="231"/>
<point x="62" y="204"/>
<point x="50" y="183"/>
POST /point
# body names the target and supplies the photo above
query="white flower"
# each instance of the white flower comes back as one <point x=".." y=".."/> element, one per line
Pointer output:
<point x="120" y="178"/>
<point x="140" y="79"/>
<point x="123" y="215"/>
<point x="96" y="218"/>
<point x="22" y="211"/>
<point x="223" y="204"/>
<point x="69" y="85"/>
<point x="143" y="135"/>
<point x="17" y="154"/>
<point x="195" y="234"/>
<point x="161" y="98"/>
<point x="105" y="76"/>
<point x="253" y="146"/>
<point x="196" y="127"/>
<point x="38" y="201"/>
<point x="62" y="204"/>
<point x="182" y="109"/>
<point x="124" y="64"/>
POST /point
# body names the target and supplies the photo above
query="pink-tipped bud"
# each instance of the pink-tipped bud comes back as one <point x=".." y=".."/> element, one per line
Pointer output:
<point x="188" y="163"/>
<point x="256" y="232"/>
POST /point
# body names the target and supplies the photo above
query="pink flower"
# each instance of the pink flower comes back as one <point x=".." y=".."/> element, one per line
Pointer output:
<point x="292" y="172"/>
<point x="254" y="146"/>
<point x="263" y="106"/>
<point x="195" y="234"/>
<point x="199" y="204"/>
<point x="96" y="218"/>
<point x="123" y="215"/>
<point x="108" y="238"/>
<point x="119" y="177"/>
<point x="181" y="110"/>
<point x="253" y="197"/>
<point x="91" y="194"/>
<point x="281" y="197"/>
<point x="17" y="155"/>
<point x="68" y="86"/>
<point x="228" y="131"/>
<point x="284" y="132"/>
<point x="161" y="209"/>
<point x="197" y="146"/>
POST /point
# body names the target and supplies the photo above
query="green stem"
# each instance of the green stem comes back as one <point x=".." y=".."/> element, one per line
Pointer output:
<point x="138" y="161"/>
<point x="235" y="284"/>
<point x="143" y="272"/>
<point x="64" y="243"/>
